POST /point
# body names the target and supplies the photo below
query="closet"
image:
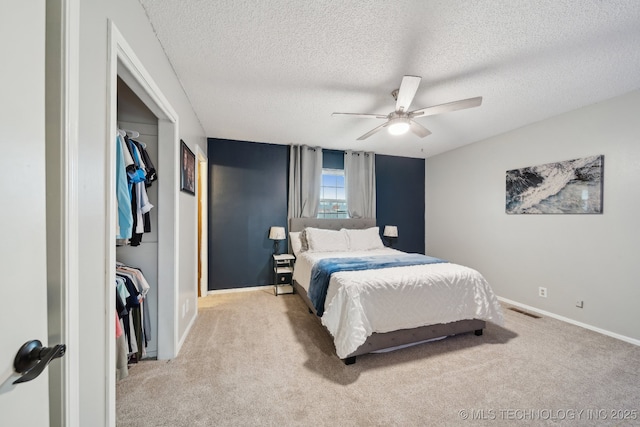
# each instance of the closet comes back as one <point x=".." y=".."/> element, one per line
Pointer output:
<point x="135" y="117"/>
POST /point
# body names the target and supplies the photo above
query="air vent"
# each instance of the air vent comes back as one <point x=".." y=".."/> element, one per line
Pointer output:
<point x="517" y="310"/>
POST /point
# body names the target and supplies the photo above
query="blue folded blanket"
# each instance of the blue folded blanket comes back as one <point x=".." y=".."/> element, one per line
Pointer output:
<point x="323" y="269"/>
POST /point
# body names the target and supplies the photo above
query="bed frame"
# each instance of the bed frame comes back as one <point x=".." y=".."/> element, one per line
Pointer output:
<point x="387" y="340"/>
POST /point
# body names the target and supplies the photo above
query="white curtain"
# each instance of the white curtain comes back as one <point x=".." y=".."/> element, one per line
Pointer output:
<point x="360" y="183"/>
<point x="305" y="174"/>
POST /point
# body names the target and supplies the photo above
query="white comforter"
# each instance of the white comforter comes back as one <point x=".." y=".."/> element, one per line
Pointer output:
<point x="359" y="303"/>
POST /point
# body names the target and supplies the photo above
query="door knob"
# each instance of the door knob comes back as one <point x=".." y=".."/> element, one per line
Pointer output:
<point x="32" y="358"/>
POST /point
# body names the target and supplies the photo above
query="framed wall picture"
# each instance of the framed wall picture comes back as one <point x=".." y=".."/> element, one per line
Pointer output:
<point x="567" y="187"/>
<point x="187" y="169"/>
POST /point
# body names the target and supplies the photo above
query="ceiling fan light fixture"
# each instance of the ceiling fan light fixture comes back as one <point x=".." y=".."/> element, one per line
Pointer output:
<point x="399" y="126"/>
<point x="400" y="120"/>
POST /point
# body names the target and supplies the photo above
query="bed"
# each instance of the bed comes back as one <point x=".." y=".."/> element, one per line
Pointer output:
<point x="385" y="308"/>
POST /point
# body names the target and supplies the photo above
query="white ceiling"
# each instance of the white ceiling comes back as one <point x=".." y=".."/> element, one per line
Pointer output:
<point x="274" y="71"/>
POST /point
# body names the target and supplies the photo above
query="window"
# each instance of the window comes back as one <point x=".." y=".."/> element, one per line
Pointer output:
<point x="333" y="201"/>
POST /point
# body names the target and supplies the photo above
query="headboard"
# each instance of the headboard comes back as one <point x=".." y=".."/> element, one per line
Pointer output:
<point x="299" y="224"/>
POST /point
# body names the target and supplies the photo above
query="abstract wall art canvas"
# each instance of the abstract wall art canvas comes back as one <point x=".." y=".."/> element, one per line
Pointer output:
<point x="568" y="187"/>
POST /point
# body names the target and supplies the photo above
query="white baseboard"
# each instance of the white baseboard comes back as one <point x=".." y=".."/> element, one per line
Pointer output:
<point x="571" y="321"/>
<point x="233" y="290"/>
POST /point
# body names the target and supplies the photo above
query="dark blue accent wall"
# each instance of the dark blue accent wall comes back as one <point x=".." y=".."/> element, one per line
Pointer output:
<point x="247" y="195"/>
<point x="332" y="159"/>
<point x="400" y="196"/>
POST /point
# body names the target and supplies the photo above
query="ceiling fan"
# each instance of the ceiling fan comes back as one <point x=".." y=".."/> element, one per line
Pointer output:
<point x="401" y="120"/>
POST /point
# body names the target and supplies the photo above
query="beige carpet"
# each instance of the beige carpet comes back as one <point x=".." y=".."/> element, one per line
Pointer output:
<point x="253" y="359"/>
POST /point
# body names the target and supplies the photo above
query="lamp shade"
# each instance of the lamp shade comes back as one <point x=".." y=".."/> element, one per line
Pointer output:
<point x="277" y="233"/>
<point x="390" y="231"/>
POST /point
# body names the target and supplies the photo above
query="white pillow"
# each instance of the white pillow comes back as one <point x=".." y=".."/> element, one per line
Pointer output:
<point x="297" y="244"/>
<point x="320" y="240"/>
<point x="364" y="240"/>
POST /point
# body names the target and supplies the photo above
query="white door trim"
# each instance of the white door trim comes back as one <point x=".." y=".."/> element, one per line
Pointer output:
<point x="203" y="181"/>
<point x="62" y="106"/>
<point x="124" y="63"/>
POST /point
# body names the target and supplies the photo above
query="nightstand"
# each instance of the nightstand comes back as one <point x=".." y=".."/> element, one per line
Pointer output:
<point x="283" y="274"/>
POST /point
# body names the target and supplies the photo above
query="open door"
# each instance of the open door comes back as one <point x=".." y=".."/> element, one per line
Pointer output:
<point x="203" y="256"/>
<point x="23" y="292"/>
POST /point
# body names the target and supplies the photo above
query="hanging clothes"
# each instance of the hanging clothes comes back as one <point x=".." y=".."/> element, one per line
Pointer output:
<point x="134" y="174"/>
<point x="132" y="308"/>
<point x="122" y="360"/>
<point x="124" y="218"/>
<point x="150" y="169"/>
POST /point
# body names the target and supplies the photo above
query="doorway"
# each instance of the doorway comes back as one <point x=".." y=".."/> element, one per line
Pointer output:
<point x="203" y="257"/>
<point x="125" y="65"/>
<point x="136" y="118"/>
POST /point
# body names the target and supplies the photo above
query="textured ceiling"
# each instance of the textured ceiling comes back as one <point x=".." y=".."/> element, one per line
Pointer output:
<point x="274" y="71"/>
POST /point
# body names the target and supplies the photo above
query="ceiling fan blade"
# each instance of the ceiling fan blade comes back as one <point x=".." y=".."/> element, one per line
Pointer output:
<point x="449" y="106"/>
<point x="408" y="89"/>
<point x="418" y="129"/>
<point x="374" y="130"/>
<point x="364" y="116"/>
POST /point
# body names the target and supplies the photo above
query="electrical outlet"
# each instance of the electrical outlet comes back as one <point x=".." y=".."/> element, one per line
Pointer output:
<point x="580" y="304"/>
<point x="542" y="292"/>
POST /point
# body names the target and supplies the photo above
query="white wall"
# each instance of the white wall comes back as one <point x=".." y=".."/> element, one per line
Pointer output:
<point x="131" y="20"/>
<point x="588" y="257"/>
